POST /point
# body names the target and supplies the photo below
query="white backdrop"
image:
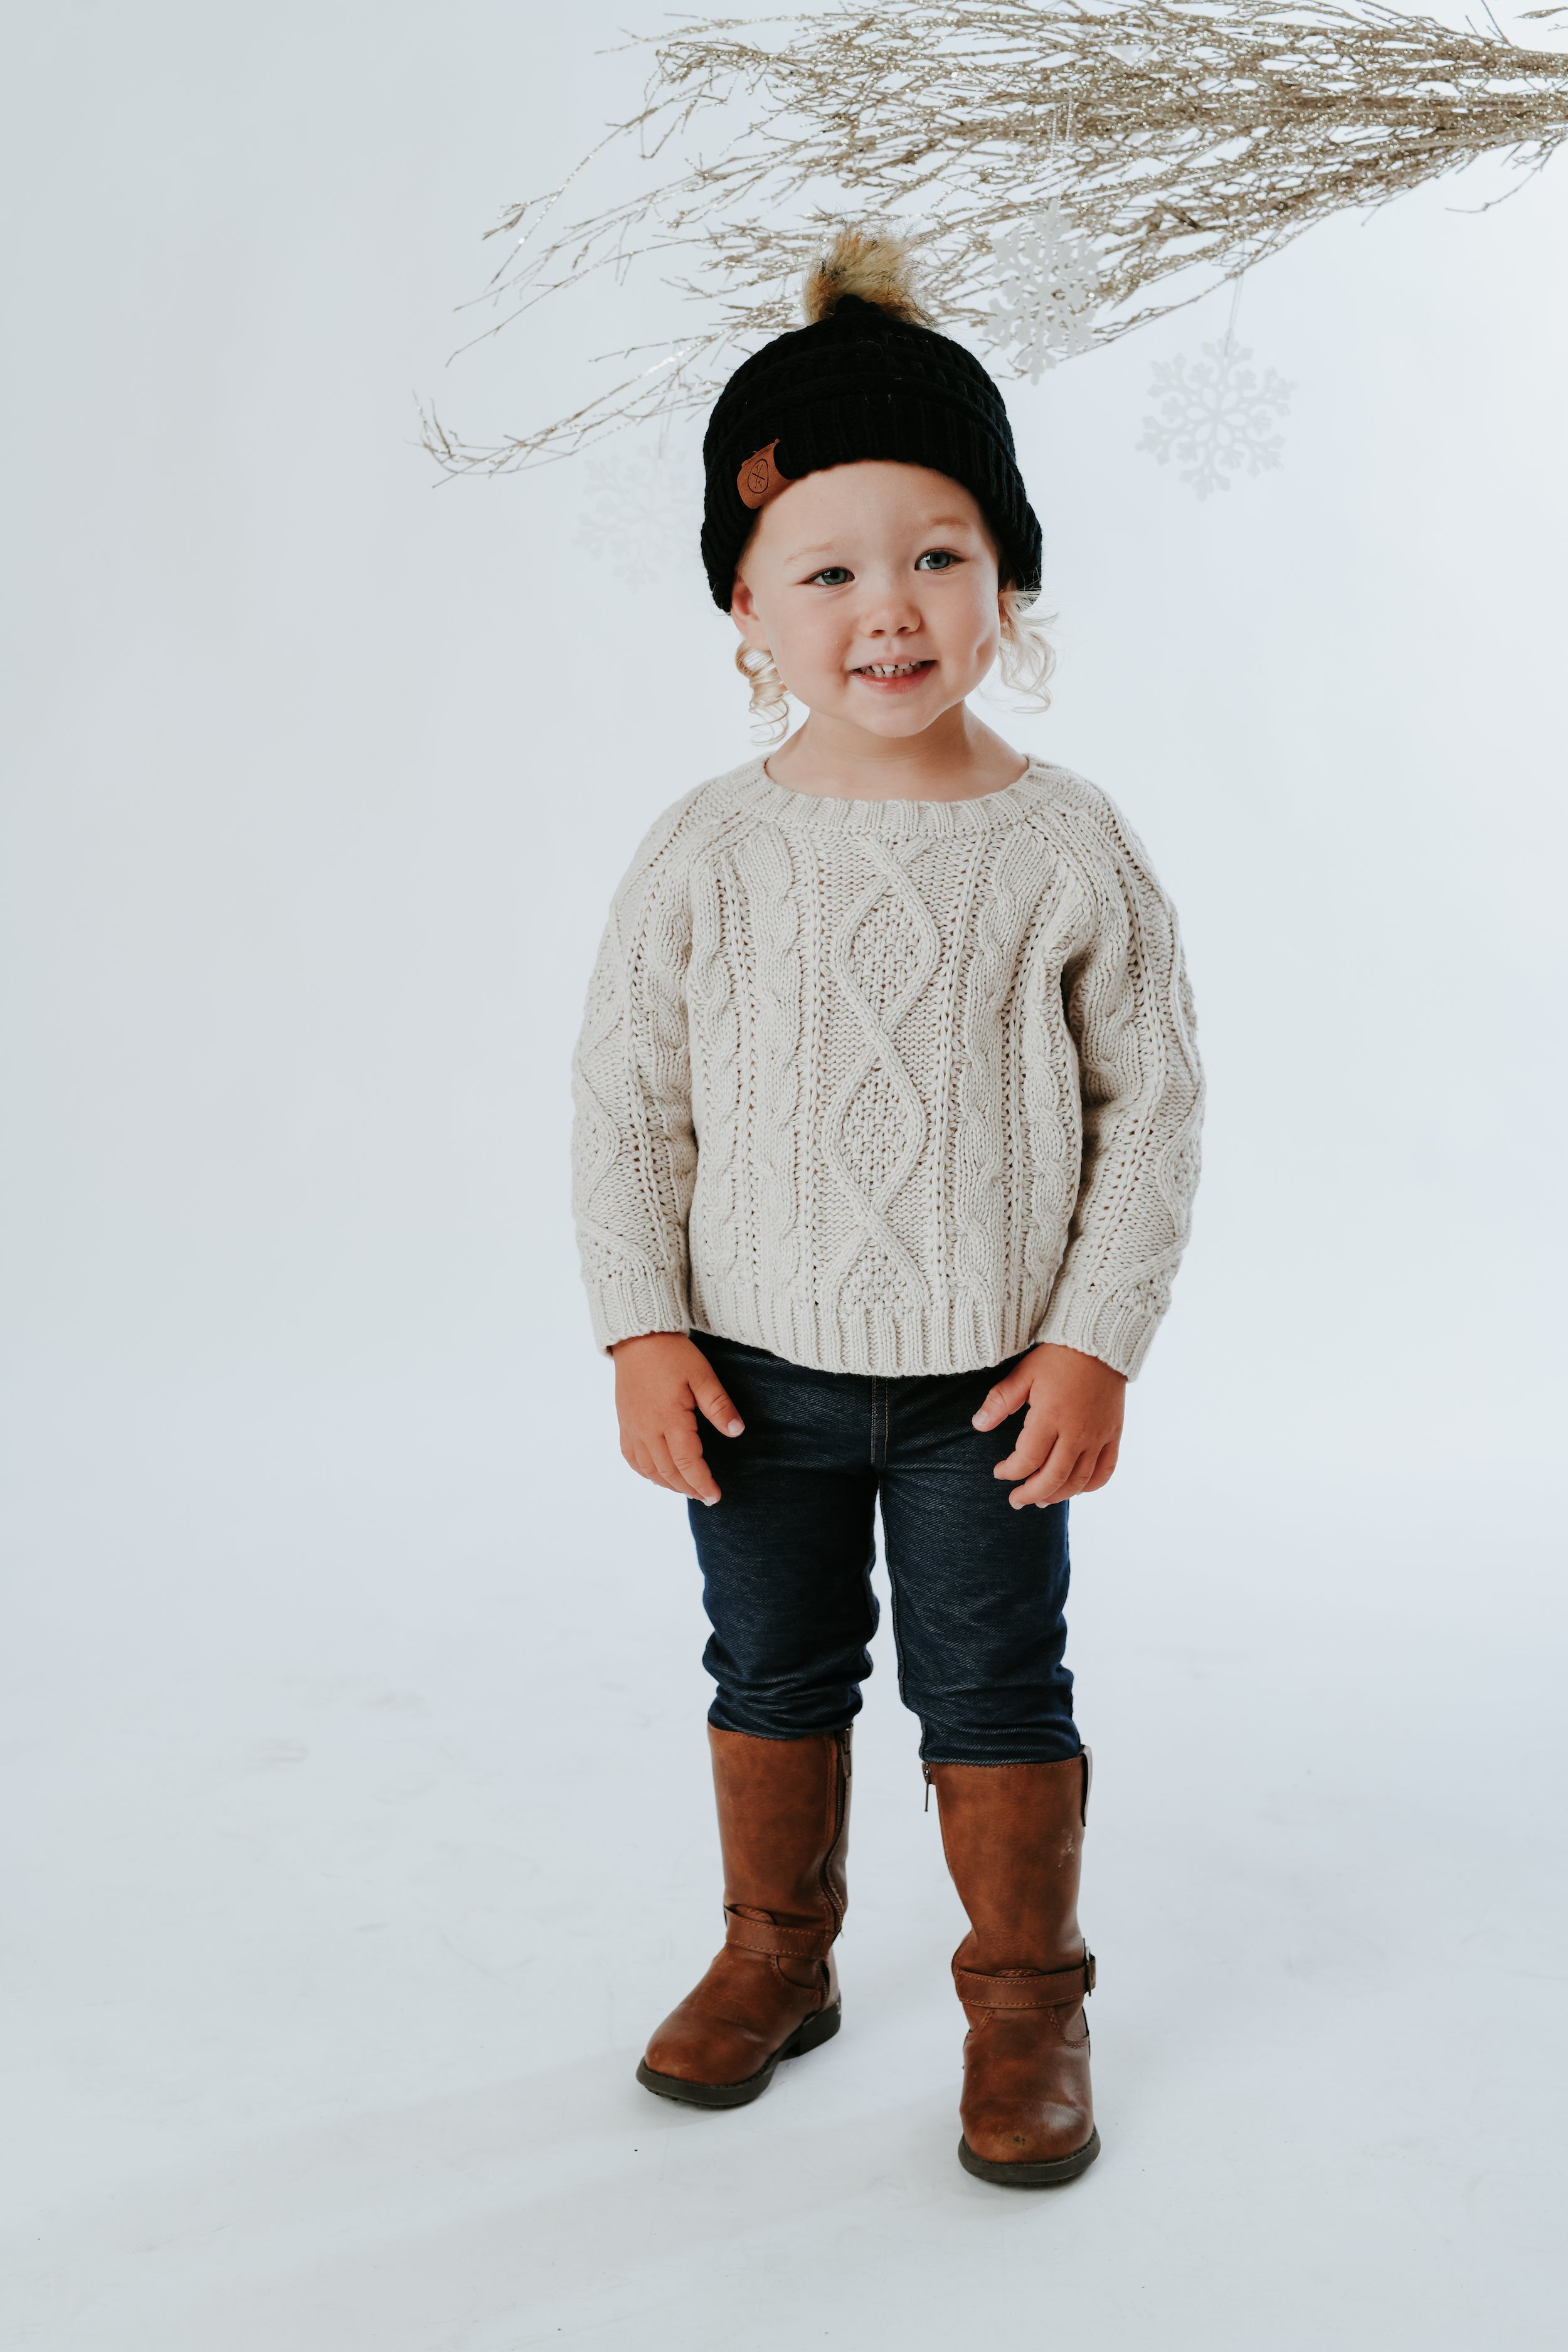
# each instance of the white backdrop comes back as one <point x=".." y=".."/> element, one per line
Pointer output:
<point x="356" y="1809"/>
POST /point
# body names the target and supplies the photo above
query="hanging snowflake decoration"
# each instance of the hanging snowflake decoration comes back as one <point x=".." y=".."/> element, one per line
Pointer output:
<point x="1215" y="416"/>
<point x="642" y="514"/>
<point x="1048" y="275"/>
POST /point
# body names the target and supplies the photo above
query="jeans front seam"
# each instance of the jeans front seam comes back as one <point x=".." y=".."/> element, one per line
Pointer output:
<point x="901" y="1676"/>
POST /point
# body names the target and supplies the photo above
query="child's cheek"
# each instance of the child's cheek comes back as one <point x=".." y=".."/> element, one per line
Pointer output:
<point x="820" y="654"/>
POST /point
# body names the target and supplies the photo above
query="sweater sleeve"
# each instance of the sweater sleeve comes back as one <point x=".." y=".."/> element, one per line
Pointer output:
<point x="1130" y="1011"/>
<point x="634" y="1149"/>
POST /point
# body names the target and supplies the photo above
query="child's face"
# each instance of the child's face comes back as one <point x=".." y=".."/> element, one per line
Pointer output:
<point x="874" y="586"/>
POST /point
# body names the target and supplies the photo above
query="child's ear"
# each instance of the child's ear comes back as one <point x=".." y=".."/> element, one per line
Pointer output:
<point x="744" y="612"/>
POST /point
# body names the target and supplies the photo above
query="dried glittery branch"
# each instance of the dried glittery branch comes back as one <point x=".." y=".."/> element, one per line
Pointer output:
<point x="1183" y="139"/>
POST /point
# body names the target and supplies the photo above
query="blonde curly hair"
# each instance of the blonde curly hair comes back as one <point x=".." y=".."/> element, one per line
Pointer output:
<point x="1025" y="661"/>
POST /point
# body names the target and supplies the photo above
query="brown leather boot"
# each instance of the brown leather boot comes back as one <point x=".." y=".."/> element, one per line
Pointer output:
<point x="773" y="1992"/>
<point x="1013" y="1835"/>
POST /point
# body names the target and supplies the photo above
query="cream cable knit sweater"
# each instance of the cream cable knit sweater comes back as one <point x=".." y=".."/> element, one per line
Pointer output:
<point x="887" y="1086"/>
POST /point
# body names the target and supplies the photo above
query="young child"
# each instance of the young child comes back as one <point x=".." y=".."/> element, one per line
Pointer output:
<point x="886" y="1130"/>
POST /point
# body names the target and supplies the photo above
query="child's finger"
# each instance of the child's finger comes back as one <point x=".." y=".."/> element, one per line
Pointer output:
<point x="1052" y="1480"/>
<point x="1078" y="1481"/>
<point x="1004" y="1399"/>
<point x="639" y="1459"/>
<point x="686" y="1454"/>
<point x="664" y="1469"/>
<point x="1103" y="1468"/>
<point x="639" y="1455"/>
<point x="712" y="1401"/>
<point x="1036" y="1440"/>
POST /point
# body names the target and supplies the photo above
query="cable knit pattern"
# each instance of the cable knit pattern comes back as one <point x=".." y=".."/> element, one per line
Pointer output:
<point x="888" y="1086"/>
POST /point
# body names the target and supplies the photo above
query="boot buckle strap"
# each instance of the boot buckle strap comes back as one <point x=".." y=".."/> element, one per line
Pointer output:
<point x="1040" y="1989"/>
<point x="776" y="1943"/>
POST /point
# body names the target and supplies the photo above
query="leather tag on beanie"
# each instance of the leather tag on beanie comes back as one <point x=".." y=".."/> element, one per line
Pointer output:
<point x="760" y="479"/>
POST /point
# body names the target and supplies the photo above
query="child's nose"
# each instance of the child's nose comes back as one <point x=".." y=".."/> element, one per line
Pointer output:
<point x="890" y="612"/>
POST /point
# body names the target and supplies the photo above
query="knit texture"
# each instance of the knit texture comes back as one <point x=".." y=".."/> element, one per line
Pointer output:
<point x="888" y="1086"/>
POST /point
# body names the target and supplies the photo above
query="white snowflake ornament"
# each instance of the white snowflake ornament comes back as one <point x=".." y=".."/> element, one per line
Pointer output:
<point x="642" y="514"/>
<point x="1049" y="277"/>
<point x="1215" y="416"/>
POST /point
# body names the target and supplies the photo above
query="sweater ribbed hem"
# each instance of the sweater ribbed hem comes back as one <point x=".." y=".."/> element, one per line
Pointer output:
<point x="955" y="1334"/>
<point x="627" y="1305"/>
<point x="1120" y="1331"/>
<point x="958" y="1336"/>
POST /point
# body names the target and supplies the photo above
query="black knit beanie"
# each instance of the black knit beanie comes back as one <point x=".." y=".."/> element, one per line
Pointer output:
<point x="865" y="378"/>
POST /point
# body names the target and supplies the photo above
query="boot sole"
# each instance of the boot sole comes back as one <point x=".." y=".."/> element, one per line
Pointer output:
<point x="1031" y="2176"/>
<point x="807" y="2036"/>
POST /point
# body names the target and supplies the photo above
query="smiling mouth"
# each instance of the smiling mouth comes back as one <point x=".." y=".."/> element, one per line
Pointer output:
<point x="892" y="669"/>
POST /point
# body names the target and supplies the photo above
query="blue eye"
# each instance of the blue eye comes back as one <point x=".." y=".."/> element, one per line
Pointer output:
<point x="936" y="559"/>
<point x="832" y="575"/>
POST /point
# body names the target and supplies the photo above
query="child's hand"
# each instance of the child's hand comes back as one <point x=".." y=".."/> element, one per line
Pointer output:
<point x="1071" y="1438"/>
<point x="661" y="1382"/>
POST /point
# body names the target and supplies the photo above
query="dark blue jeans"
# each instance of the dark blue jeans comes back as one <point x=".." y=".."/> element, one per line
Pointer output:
<point x="978" y="1588"/>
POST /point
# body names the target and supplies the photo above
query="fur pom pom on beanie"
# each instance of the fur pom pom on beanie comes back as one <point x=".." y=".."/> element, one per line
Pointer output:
<point x="865" y="377"/>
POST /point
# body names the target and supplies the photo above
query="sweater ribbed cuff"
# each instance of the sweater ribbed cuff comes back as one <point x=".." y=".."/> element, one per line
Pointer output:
<point x="626" y="1305"/>
<point x="1118" y="1330"/>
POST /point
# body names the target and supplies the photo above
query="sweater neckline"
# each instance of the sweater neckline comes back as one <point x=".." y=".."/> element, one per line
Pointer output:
<point x="824" y="812"/>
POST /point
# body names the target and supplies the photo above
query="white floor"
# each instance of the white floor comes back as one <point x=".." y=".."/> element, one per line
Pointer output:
<point x="362" y="1832"/>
